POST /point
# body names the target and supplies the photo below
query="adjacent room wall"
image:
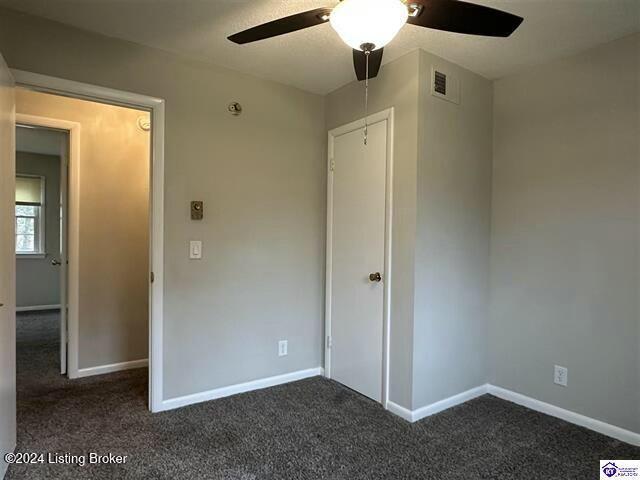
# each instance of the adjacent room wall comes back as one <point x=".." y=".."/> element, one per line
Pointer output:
<point x="396" y="86"/>
<point x="261" y="177"/>
<point x="452" y="235"/>
<point x="114" y="225"/>
<point x="565" y="244"/>
<point x="37" y="281"/>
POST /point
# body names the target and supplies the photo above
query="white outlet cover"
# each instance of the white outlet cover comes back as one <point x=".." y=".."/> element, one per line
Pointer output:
<point x="560" y="375"/>
<point x="282" y="348"/>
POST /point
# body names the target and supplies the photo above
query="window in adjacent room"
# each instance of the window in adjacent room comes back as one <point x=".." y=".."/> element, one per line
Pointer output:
<point x="29" y="215"/>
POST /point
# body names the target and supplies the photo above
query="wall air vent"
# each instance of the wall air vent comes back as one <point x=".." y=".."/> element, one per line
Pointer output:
<point x="445" y="85"/>
<point x="439" y="82"/>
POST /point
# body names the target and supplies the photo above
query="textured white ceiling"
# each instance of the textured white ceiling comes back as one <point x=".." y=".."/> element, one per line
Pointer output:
<point x="315" y="59"/>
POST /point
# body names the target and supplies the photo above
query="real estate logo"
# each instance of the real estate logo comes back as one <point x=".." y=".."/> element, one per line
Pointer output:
<point x="610" y="469"/>
<point x="620" y="469"/>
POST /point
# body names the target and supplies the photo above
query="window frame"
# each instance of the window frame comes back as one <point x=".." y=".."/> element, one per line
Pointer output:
<point x="39" y="227"/>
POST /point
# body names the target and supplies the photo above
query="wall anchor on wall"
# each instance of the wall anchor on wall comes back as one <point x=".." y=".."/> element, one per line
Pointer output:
<point x="235" y="108"/>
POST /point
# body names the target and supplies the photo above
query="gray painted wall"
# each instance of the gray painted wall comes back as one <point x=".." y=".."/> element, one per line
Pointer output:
<point x="37" y="281"/>
<point x="396" y="86"/>
<point x="453" y="236"/>
<point x="565" y="259"/>
<point x="261" y="176"/>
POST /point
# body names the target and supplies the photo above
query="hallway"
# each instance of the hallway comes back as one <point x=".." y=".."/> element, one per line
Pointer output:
<point x="58" y="415"/>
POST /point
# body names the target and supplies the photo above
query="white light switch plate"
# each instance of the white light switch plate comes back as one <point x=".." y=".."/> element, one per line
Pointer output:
<point x="195" y="249"/>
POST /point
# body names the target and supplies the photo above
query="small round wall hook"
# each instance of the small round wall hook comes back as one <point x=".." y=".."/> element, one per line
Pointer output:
<point x="235" y="108"/>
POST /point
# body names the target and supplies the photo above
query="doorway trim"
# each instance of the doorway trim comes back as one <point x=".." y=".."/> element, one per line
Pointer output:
<point x="70" y="367"/>
<point x="156" y="107"/>
<point x="388" y="230"/>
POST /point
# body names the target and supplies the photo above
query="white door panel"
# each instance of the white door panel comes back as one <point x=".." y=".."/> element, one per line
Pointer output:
<point x="357" y="249"/>
<point x="7" y="267"/>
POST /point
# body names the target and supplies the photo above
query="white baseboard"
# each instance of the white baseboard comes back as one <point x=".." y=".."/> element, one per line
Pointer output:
<point x="114" y="367"/>
<point x="185" y="400"/>
<point x="452" y="401"/>
<point x="400" y="411"/>
<point x="567" y="415"/>
<point x="35" y="308"/>
<point x="439" y="406"/>
<point x="546" y="408"/>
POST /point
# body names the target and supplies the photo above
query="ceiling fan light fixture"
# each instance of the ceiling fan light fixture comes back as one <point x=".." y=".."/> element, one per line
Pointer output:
<point x="361" y="22"/>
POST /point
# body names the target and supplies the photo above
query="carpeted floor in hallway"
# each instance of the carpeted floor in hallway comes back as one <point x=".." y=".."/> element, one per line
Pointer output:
<point x="311" y="429"/>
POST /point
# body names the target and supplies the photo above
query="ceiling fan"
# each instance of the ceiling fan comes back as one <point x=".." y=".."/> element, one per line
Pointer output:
<point x="368" y="25"/>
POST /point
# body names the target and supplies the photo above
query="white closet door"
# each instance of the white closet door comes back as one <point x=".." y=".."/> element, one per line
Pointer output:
<point x="357" y="259"/>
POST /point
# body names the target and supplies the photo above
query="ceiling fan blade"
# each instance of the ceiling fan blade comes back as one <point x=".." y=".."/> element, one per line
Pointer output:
<point x="360" y="63"/>
<point x="462" y="17"/>
<point x="284" y="25"/>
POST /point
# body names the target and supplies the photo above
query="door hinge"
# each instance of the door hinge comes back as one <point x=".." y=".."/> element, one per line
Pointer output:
<point x="152" y="277"/>
<point x="332" y="165"/>
<point x="328" y="341"/>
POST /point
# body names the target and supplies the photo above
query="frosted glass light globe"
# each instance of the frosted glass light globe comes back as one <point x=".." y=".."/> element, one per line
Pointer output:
<point x="368" y="21"/>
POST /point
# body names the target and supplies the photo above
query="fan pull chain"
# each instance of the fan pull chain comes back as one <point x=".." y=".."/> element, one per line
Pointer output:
<point x="366" y="95"/>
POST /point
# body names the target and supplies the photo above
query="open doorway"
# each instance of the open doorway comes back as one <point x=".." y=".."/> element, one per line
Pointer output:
<point x="40" y="229"/>
<point x="88" y="230"/>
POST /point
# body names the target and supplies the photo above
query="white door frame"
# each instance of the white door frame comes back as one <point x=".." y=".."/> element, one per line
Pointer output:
<point x="386" y="331"/>
<point x="155" y="106"/>
<point x="70" y="277"/>
<point x="63" y="208"/>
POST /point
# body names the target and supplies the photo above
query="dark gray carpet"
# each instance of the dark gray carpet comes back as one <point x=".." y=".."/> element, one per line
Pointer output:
<point x="312" y="429"/>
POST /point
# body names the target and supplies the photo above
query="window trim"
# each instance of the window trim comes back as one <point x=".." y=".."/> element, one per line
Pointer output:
<point x="40" y="224"/>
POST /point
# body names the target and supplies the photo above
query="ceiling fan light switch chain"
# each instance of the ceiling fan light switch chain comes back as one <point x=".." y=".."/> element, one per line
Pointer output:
<point x="366" y="92"/>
